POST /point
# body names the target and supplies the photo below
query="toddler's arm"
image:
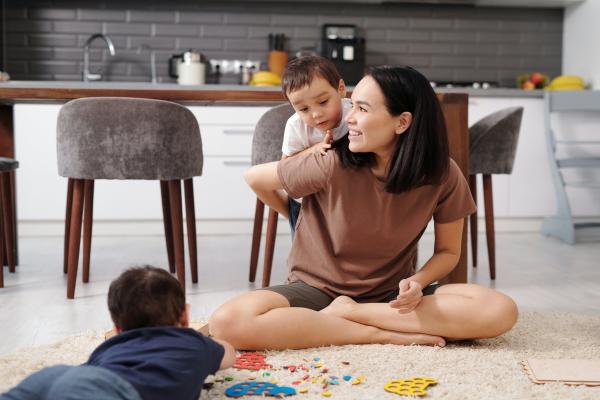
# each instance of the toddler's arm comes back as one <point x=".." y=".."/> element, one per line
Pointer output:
<point x="228" y="355"/>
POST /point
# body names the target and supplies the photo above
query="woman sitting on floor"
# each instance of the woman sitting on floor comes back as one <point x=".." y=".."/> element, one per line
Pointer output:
<point x="352" y="276"/>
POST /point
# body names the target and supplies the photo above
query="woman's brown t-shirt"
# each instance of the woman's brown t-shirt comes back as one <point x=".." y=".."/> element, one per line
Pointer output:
<point x="352" y="237"/>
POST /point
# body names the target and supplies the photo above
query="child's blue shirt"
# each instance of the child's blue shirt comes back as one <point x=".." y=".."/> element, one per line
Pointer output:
<point x="161" y="362"/>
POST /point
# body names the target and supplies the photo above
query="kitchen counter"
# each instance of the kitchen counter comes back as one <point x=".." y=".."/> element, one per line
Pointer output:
<point x="47" y="91"/>
<point x="33" y="91"/>
<point x="454" y="106"/>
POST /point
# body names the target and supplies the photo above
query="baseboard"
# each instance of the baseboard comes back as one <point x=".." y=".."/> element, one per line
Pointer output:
<point x="231" y="227"/>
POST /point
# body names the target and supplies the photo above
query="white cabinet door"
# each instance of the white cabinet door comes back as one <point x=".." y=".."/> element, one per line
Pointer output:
<point x="227" y="131"/>
<point x="41" y="193"/>
<point x="226" y="140"/>
<point x="221" y="192"/>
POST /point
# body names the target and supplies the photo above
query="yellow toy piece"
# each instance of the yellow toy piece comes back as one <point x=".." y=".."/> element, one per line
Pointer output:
<point x="409" y="387"/>
<point x="359" y="380"/>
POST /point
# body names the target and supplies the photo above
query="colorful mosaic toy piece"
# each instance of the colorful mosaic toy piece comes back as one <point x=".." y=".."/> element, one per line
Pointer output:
<point x="409" y="387"/>
<point x="251" y="361"/>
<point x="258" y="388"/>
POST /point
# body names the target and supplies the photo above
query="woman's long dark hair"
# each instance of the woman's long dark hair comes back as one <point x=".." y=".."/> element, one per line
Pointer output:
<point x="420" y="154"/>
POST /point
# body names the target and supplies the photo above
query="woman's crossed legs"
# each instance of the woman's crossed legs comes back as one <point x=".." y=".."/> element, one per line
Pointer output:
<point x="454" y="311"/>
<point x="263" y="319"/>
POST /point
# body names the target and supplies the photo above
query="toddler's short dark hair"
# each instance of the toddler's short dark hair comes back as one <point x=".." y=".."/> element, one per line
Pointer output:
<point x="144" y="297"/>
<point x="301" y="71"/>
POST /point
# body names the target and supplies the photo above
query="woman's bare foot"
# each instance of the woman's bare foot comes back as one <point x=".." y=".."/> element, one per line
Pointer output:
<point x="340" y="306"/>
<point x="390" y="337"/>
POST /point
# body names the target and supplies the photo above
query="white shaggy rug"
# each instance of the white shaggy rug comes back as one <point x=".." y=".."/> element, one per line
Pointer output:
<point x="483" y="369"/>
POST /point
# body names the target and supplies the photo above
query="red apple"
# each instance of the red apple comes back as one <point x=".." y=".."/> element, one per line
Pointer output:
<point x="537" y="79"/>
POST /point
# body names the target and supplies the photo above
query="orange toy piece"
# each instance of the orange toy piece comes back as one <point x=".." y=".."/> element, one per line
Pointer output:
<point x="251" y="361"/>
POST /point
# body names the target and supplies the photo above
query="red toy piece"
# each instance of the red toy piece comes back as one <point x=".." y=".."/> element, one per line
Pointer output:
<point x="251" y="361"/>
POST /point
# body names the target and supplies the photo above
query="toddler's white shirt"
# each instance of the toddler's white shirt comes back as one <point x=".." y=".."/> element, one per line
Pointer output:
<point x="299" y="136"/>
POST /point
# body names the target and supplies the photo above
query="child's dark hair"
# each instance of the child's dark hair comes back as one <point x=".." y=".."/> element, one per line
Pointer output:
<point x="301" y="71"/>
<point x="143" y="297"/>
<point x="420" y="154"/>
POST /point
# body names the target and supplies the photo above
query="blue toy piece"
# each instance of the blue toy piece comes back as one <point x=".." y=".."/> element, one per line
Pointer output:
<point x="258" y="388"/>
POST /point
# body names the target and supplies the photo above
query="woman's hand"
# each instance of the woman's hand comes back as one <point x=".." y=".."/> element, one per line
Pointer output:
<point x="409" y="296"/>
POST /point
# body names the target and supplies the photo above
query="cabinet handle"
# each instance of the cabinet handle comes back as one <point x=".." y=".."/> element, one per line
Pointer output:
<point x="237" y="163"/>
<point x="238" y="131"/>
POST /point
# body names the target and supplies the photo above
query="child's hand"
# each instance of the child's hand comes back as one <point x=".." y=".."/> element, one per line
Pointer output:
<point x="324" y="145"/>
<point x="409" y="297"/>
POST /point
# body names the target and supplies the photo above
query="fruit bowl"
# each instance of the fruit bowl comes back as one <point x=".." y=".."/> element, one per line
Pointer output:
<point x="535" y="80"/>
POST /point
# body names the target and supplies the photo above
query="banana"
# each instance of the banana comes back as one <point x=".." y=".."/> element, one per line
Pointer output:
<point x="567" y="82"/>
<point x="265" y="78"/>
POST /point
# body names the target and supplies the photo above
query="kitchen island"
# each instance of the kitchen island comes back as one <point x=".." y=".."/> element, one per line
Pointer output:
<point x="13" y="94"/>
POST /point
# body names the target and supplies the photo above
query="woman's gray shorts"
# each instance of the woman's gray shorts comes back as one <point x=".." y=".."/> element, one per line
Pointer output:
<point x="300" y="294"/>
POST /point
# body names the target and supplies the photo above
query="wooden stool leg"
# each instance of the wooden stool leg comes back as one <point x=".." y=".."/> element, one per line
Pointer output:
<point x="269" y="246"/>
<point x="166" y="207"/>
<point x="74" y="236"/>
<point x="489" y="223"/>
<point x="256" y="234"/>
<point x="473" y="218"/>
<point x="13" y="197"/>
<point x="177" y="224"/>
<point x="1" y="250"/>
<point x="68" y="224"/>
<point x="190" y="218"/>
<point x="88" y="220"/>
<point x="8" y="221"/>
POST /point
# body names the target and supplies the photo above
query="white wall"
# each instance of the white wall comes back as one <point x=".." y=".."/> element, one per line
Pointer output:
<point x="581" y="53"/>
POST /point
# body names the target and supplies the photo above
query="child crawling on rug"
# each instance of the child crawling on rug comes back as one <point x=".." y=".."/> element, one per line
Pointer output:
<point x="155" y="355"/>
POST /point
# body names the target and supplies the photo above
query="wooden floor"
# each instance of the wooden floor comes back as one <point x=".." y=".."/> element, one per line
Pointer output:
<point x="538" y="272"/>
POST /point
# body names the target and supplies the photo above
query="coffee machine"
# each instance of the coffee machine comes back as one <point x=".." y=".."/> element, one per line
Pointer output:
<point x="341" y="45"/>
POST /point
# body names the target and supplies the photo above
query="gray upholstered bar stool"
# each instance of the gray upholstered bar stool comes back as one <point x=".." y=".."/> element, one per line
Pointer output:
<point x="492" y="147"/>
<point x="128" y="138"/>
<point x="7" y="227"/>
<point x="266" y="147"/>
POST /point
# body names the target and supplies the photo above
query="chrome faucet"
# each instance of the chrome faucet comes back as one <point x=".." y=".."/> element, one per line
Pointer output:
<point x="144" y="46"/>
<point x="87" y="76"/>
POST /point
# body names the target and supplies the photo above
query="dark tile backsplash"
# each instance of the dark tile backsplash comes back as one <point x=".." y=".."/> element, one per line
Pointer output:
<point x="43" y="39"/>
<point x="2" y="37"/>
